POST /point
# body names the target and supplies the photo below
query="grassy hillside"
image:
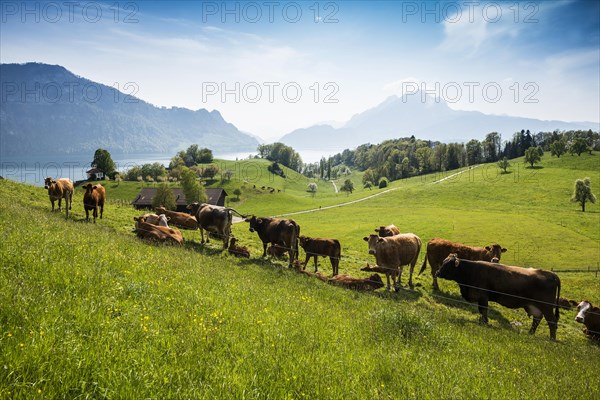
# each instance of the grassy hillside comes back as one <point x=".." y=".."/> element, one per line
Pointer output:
<point x="90" y="311"/>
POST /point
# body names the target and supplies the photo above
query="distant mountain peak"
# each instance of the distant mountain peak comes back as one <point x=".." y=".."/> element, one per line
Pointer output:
<point x="73" y="122"/>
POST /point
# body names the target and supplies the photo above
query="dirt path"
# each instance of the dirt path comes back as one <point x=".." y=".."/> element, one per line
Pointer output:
<point x="237" y="219"/>
<point x="334" y="186"/>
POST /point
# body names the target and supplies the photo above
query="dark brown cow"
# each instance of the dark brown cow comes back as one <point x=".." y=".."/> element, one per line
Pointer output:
<point x="438" y="249"/>
<point x="371" y="283"/>
<point x="535" y="290"/>
<point x="315" y="247"/>
<point x="59" y="189"/>
<point x="589" y="315"/>
<point x="282" y="232"/>
<point x="392" y="253"/>
<point x="161" y="234"/>
<point x="213" y="219"/>
<point x="94" y="198"/>
<point x="238" y="251"/>
<point x="179" y="219"/>
<point x="387" y="231"/>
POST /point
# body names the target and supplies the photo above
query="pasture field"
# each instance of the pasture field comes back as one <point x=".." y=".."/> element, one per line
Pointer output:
<point x="89" y="311"/>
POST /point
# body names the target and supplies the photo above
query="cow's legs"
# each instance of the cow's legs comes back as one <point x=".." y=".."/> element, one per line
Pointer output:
<point x="398" y="274"/>
<point x="87" y="215"/>
<point x="387" y="277"/>
<point x="552" y="322"/>
<point x="412" y="268"/>
<point x="265" y="249"/>
<point x="435" y="282"/>
<point x="316" y="257"/>
<point x="537" y="317"/>
<point x="59" y="203"/>
<point x="335" y="263"/>
<point x="483" y="311"/>
<point x="101" y="210"/>
<point x="95" y="213"/>
<point x="202" y="234"/>
<point x="306" y="261"/>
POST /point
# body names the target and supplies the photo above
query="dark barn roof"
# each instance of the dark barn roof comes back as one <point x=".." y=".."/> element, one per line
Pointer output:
<point x="146" y="195"/>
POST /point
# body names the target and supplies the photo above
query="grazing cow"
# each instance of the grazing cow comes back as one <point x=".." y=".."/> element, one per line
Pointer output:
<point x="438" y="249"/>
<point x="275" y="250"/>
<point x="59" y="189"/>
<point x="92" y="199"/>
<point x="282" y="232"/>
<point x="179" y="219"/>
<point x="315" y="247"/>
<point x="535" y="290"/>
<point x="238" y="251"/>
<point x="589" y="316"/>
<point x="391" y="253"/>
<point x="213" y="219"/>
<point x="387" y="231"/>
<point x="161" y="234"/>
<point x="371" y="283"/>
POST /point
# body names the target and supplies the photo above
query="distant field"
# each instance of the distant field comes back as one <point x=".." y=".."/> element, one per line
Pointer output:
<point x="89" y="311"/>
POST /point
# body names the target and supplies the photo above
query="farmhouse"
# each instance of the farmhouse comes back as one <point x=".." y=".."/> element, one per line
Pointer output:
<point x="144" y="198"/>
<point x="94" y="174"/>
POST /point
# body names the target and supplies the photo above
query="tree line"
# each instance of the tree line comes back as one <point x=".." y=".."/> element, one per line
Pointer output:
<point x="405" y="157"/>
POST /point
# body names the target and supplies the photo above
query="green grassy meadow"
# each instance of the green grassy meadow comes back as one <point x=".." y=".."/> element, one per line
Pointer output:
<point x="90" y="311"/>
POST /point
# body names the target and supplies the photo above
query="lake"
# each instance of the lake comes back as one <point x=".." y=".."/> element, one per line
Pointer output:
<point x="34" y="170"/>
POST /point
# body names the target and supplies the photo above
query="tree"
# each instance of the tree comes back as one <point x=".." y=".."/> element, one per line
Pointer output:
<point x="583" y="192"/>
<point x="191" y="187"/>
<point x="329" y="169"/>
<point x="532" y="156"/>
<point x="504" y="164"/>
<point x="578" y="146"/>
<point x="348" y="186"/>
<point x="227" y="174"/>
<point x="558" y="148"/>
<point x="474" y="152"/>
<point x="383" y="182"/>
<point x="103" y="161"/>
<point x="164" y="197"/>
<point x="312" y="188"/>
<point x="367" y="185"/>
<point x="196" y="155"/>
<point x="210" y="171"/>
<point x="237" y="193"/>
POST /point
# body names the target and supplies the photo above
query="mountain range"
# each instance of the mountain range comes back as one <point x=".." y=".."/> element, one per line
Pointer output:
<point x="48" y="109"/>
<point x="403" y="116"/>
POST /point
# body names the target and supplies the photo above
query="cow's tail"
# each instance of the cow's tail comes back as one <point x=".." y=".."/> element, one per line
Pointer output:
<point x="557" y="310"/>
<point x="424" y="264"/>
<point x="237" y="212"/>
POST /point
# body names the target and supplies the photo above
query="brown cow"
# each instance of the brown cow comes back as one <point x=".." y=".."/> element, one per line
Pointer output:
<point x="282" y="232"/>
<point x="391" y="253"/>
<point x="179" y="219"/>
<point x="161" y="234"/>
<point x="438" y="249"/>
<point x="275" y="250"/>
<point x="94" y="197"/>
<point x="299" y="267"/>
<point x="315" y="247"/>
<point x="589" y="316"/>
<point x="535" y="290"/>
<point x="59" y="189"/>
<point x="387" y="231"/>
<point x="213" y="219"/>
<point x="238" y="251"/>
<point x="371" y="283"/>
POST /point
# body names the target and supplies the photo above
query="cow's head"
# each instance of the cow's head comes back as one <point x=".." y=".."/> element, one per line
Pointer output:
<point x="372" y="241"/>
<point x="195" y="207"/>
<point x="254" y="222"/>
<point x="48" y="182"/>
<point x="386" y="231"/>
<point x="163" y="220"/>
<point x="375" y="281"/>
<point x="449" y="267"/>
<point x="89" y="187"/>
<point x="495" y="250"/>
<point x="303" y="240"/>
<point x="582" y="309"/>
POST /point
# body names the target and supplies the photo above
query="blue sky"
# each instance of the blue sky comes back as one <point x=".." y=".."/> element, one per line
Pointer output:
<point x="532" y="59"/>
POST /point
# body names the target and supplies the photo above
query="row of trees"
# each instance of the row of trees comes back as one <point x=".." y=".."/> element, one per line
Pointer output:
<point x="405" y="157"/>
<point x="282" y="154"/>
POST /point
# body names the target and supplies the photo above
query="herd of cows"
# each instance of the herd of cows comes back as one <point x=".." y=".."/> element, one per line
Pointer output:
<point x="477" y="270"/>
